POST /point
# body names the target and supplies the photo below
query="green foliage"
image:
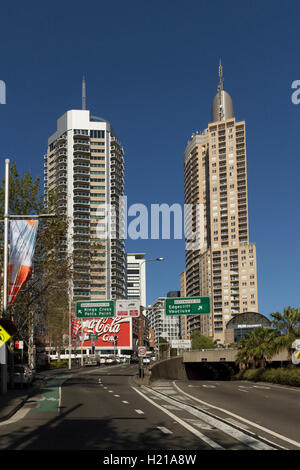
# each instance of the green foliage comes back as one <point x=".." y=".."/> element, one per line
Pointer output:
<point x="261" y="344"/>
<point x="258" y="345"/>
<point x="43" y="300"/>
<point x="58" y="364"/>
<point x="163" y="344"/>
<point x="277" y="376"/>
<point x="201" y="342"/>
<point x="288" y="325"/>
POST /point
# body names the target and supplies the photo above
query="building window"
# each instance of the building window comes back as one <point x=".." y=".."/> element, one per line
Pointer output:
<point x="97" y="134"/>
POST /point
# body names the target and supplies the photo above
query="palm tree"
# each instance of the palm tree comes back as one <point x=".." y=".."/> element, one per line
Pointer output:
<point x="258" y="345"/>
<point x="288" y="325"/>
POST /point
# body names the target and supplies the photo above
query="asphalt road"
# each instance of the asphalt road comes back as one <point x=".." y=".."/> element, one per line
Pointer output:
<point x="104" y="409"/>
<point x="96" y="409"/>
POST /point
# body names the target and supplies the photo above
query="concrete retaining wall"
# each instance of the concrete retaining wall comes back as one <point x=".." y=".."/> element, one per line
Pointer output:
<point x="169" y="369"/>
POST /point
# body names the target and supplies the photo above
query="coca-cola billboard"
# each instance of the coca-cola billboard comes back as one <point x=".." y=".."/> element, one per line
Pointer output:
<point x="107" y="329"/>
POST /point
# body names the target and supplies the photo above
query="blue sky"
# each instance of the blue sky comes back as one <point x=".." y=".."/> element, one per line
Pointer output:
<point x="151" y="70"/>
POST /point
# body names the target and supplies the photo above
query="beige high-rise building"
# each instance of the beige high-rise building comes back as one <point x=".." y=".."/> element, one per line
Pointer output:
<point x="85" y="165"/>
<point x="223" y="267"/>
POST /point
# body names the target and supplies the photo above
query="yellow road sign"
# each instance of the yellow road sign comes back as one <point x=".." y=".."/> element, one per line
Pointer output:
<point x="4" y="336"/>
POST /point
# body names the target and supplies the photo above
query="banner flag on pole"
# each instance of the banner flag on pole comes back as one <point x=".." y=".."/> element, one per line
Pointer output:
<point x="75" y="327"/>
<point x="22" y="244"/>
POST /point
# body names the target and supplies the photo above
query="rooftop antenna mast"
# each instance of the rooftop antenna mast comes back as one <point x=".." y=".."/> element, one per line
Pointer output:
<point x="83" y="94"/>
<point x="220" y="89"/>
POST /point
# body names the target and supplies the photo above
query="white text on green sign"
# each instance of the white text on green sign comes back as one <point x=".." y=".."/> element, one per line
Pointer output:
<point x="95" y="309"/>
<point x="187" y="306"/>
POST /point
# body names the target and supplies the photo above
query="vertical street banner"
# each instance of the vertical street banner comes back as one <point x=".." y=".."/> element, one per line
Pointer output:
<point x="75" y="327"/>
<point x="22" y="244"/>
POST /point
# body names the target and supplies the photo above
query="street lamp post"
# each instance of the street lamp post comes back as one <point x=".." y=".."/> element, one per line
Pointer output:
<point x="141" y="332"/>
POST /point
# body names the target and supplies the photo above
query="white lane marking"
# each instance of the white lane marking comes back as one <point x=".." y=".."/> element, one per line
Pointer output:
<point x="164" y="430"/>
<point x="124" y="401"/>
<point x="261" y="386"/>
<point x="171" y="407"/>
<point x="237" y="423"/>
<point x="242" y="390"/>
<point x="275" y="434"/>
<point x="140" y="412"/>
<point x="187" y="426"/>
<point x="180" y="397"/>
<point x="110" y="391"/>
<point x="209" y="386"/>
<point x="226" y="428"/>
<point x="59" y="398"/>
<point x="116" y="395"/>
<point x="200" y="424"/>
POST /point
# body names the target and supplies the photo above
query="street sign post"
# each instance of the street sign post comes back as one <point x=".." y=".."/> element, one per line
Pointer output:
<point x="128" y="308"/>
<point x="95" y="309"/>
<point x="93" y="337"/>
<point x="4" y="336"/>
<point x="187" y="305"/>
<point x="181" y="344"/>
<point x="296" y="344"/>
<point x="142" y="351"/>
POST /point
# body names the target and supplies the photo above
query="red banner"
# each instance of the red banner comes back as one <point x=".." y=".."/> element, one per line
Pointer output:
<point x="107" y="329"/>
<point x="22" y="244"/>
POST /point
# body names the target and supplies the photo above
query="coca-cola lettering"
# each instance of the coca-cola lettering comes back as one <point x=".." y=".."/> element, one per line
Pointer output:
<point x="107" y="329"/>
<point x="108" y="338"/>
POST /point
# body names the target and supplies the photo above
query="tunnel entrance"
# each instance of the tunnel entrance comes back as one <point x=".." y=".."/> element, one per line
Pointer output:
<point x="210" y="370"/>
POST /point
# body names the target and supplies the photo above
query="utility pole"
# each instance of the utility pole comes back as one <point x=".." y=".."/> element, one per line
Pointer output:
<point x="141" y="326"/>
<point x="7" y="218"/>
<point x="5" y="274"/>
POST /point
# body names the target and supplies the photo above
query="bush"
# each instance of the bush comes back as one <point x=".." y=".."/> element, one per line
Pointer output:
<point x="250" y="374"/>
<point x="58" y="364"/>
<point x="276" y="376"/>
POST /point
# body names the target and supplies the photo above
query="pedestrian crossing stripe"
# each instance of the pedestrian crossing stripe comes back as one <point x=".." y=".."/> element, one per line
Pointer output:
<point x="4" y="336"/>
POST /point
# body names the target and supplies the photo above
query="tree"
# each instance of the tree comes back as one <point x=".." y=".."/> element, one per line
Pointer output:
<point x="201" y="342"/>
<point x="44" y="296"/>
<point x="163" y="346"/>
<point x="288" y="325"/>
<point x="257" y="346"/>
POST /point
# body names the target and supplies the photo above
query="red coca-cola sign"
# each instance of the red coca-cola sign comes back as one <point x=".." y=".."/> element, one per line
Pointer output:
<point x="107" y="329"/>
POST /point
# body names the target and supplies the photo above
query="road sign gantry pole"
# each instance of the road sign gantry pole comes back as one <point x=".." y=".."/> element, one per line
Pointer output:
<point x="141" y="332"/>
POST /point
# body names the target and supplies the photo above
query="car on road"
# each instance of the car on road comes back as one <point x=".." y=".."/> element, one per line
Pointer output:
<point x="134" y="360"/>
<point x="22" y="373"/>
<point x="92" y="360"/>
<point x="146" y="360"/>
<point x="110" y="360"/>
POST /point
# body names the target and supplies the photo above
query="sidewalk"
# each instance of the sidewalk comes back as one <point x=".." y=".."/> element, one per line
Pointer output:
<point x="12" y="401"/>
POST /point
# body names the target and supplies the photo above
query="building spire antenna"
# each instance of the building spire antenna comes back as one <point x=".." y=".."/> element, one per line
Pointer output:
<point x="220" y="86"/>
<point x="83" y="93"/>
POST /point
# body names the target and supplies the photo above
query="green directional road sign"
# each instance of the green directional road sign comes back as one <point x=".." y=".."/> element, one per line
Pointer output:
<point x="187" y="305"/>
<point x="95" y="309"/>
<point x="93" y="337"/>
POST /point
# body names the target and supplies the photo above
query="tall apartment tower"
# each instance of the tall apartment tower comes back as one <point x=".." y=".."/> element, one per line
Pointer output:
<point x="85" y="165"/>
<point x="215" y="175"/>
<point x="136" y="277"/>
